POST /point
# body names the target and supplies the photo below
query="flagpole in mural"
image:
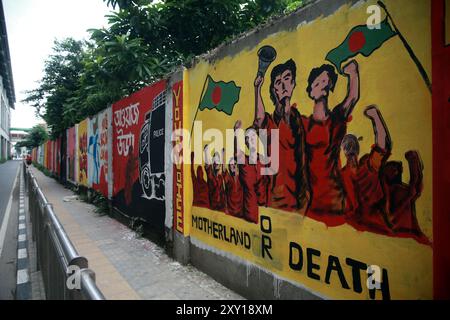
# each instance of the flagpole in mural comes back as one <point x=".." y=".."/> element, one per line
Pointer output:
<point x="422" y="71"/>
<point x="198" y="107"/>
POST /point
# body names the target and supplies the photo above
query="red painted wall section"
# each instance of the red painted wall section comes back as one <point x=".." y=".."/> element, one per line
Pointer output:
<point x="441" y="150"/>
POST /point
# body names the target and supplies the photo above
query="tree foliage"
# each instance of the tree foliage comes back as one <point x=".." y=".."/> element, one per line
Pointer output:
<point x="59" y="86"/>
<point x="36" y="136"/>
<point x="143" y="42"/>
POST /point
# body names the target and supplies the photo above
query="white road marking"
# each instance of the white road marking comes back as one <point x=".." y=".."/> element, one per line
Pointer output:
<point x="22" y="254"/>
<point x="22" y="226"/>
<point x="22" y="237"/>
<point x="22" y="276"/>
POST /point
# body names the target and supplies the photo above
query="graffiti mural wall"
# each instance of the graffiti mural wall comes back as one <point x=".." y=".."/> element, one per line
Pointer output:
<point x="97" y="151"/>
<point x="40" y="155"/>
<point x="349" y="196"/>
<point x="57" y="158"/>
<point x="138" y="155"/>
<point x="93" y="155"/>
<point x="71" y="153"/>
<point x="82" y="140"/>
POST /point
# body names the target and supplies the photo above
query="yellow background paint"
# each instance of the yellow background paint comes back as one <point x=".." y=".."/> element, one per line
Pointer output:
<point x="389" y="79"/>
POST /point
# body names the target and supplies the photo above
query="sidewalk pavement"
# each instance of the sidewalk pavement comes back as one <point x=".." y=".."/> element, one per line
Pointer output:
<point x="126" y="267"/>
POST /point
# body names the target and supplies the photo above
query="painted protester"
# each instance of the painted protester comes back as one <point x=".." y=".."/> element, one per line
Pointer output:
<point x="289" y="187"/>
<point x="233" y="188"/>
<point x="93" y="152"/>
<point x="215" y="181"/>
<point x="324" y="131"/>
<point x="200" y="186"/>
<point x="361" y="177"/>
<point x="401" y="197"/>
<point x="377" y="199"/>
<point x="249" y="172"/>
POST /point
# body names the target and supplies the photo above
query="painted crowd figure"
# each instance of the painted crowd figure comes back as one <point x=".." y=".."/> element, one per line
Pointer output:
<point x="201" y="196"/>
<point x="216" y="189"/>
<point x="377" y="199"/>
<point x="401" y="197"/>
<point x="233" y="190"/>
<point x="325" y="130"/>
<point x="249" y="173"/>
<point x="362" y="177"/>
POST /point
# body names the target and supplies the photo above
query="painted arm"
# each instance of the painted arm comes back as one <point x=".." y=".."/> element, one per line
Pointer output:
<point x="352" y="73"/>
<point x="260" y="111"/>
<point x="192" y="166"/>
<point x="381" y="132"/>
<point x="238" y="153"/>
<point x="223" y="161"/>
<point x="208" y="165"/>
<point x="206" y="151"/>
<point x="415" y="174"/>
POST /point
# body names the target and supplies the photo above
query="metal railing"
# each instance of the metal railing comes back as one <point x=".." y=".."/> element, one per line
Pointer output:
<point x="55" y="252"/>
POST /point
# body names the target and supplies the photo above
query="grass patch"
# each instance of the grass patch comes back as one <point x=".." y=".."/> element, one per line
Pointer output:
<point x="137" y="226"/>
<point x="43" y="169"/>
<point x="101" y="203"/>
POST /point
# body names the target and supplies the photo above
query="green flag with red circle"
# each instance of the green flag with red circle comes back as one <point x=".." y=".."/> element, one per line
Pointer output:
<point x="219" y="95"/>
<point x="361" y="40"/>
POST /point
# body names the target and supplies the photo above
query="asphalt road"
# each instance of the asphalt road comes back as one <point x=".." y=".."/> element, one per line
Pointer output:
<point x="8" y="228"/>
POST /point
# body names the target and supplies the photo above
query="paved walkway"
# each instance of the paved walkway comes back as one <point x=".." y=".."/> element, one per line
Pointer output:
<point x="126" y="266"/>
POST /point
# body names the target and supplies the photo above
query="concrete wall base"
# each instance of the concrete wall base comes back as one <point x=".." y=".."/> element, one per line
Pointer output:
<point x="181" y="248"/>
<point x="248" y="280"/>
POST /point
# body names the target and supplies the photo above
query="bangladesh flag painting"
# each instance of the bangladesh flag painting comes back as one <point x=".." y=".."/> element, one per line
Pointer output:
<point x="361" y="40"/>
<point x="219" y="95"/>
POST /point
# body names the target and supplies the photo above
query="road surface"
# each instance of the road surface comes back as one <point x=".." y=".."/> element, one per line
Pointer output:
<point x="9" y="207"/>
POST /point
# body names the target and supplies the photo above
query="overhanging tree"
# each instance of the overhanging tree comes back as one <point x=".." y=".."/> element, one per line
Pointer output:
<point x="143" y="41"/>
<point x="36" y="136"/>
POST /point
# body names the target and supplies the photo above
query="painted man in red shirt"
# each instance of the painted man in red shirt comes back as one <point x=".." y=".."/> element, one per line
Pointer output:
<point x="325" y="130"/>
<point x="216" y="189"/>
<point x="249" y="173"/>
<point x="401" y="197"/>
<point x="233" y="188"/>
<point x="201" y="197"/>
<point x="365" y="195"/>
<point x="289" y="190"/>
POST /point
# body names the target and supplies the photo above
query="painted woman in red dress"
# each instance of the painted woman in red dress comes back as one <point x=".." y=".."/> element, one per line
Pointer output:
<point x="325" y="130"/>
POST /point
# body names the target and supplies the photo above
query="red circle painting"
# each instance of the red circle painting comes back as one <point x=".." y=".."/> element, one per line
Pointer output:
<point x="217" y="95"/>
<point x="357" y="41"/>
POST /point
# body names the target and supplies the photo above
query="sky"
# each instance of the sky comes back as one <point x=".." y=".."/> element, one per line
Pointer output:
<point x="32" y="27"/>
